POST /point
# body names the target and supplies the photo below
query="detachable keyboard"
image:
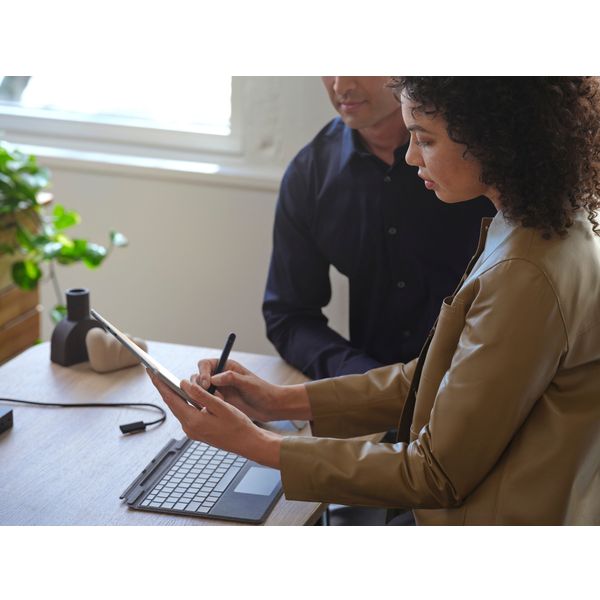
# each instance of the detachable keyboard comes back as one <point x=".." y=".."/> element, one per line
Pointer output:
<point x="193" y="478"/>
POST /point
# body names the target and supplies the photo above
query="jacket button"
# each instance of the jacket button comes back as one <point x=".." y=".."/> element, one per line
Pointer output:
<point x="401" y="284"/>
<point x="387" y="179"/>
<point x="392" y="230"/>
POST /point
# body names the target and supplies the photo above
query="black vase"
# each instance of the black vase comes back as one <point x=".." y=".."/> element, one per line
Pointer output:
<point x="67" y="346"/>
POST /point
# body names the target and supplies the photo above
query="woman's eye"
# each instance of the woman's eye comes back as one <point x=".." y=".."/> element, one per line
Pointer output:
<point x="422" y="143"/>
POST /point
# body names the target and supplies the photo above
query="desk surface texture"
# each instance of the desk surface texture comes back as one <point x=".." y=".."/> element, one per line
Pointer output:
<point x="69" y="466"/>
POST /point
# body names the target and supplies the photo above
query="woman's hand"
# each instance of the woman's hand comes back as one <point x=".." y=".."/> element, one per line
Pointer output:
<point x="258" y="399"/>
<point x="220" y="424"/>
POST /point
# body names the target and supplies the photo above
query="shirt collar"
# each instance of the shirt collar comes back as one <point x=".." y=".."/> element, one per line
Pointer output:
<point x="498" y="231"/>
<point x="352" y="144"/>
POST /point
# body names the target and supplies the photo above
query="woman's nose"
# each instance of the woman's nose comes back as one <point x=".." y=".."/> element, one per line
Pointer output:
<point x="413" y="154"/>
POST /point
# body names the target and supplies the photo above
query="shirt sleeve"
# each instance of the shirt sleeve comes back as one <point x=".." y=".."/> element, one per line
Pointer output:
<point x="509" y="350"/>
<point x="298" y="287"/>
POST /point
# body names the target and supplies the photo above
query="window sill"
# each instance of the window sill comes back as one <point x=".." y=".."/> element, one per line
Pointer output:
<point x="259" y="178"/>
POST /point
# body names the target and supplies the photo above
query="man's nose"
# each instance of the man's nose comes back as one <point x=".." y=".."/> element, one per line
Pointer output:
<point x="343" y="85"/>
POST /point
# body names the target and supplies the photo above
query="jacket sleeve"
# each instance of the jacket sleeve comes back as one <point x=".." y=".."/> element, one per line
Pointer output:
<point x="355" y="405"/>
<point x="298" y="287"/>
<point x="509" y="350"/>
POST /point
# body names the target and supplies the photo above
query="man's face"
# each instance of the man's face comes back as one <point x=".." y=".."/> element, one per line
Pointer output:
<point x="361" y="101"/>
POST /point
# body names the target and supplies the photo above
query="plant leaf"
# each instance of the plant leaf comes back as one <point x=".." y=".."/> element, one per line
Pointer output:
<point x="24" y="239"/>
<point x="64" y="218"/>
<point x="71" y="250"/>
<point x="26" y="274"/>
<point x="94" y="255"/>
<point x="118" y="239"/>
<point x="58" y="313"/>
<point x="52" y="250"/>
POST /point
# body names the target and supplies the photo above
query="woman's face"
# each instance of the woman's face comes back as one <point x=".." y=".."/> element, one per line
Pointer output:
<point x="443" y="165"/>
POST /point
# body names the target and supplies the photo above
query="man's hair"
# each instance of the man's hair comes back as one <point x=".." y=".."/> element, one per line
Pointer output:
<point x="537" y="139"/>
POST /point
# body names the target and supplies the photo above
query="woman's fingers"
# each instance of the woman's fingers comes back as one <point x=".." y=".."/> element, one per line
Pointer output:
<point x="205" y="368"/>
<point x="230" y="378"/>
<point x="177" y="405"/>
<point x="210" y="402"/>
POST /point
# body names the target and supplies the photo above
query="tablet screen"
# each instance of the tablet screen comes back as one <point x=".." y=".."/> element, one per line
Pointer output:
<point x="168" y="377"/>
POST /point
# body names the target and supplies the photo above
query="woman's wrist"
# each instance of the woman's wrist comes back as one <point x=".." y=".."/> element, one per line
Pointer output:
<point x="291" y="402"/>
<point x="265" y="448"/>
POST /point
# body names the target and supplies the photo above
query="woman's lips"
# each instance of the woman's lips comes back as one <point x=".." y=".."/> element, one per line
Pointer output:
<point x="428" y="183"/>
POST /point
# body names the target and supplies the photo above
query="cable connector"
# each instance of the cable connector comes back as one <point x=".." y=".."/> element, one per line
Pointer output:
<point x="6" y="419"/>
<point x="136" y="427"/>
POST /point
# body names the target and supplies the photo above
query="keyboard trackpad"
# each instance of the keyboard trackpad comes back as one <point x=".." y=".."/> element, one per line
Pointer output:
<point x="258" y="480"/>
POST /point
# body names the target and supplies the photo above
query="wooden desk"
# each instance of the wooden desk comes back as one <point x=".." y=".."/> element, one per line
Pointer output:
<point x="69" y="466"/>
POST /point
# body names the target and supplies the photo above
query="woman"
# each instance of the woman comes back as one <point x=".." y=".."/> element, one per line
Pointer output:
<point x="501" y="424"/>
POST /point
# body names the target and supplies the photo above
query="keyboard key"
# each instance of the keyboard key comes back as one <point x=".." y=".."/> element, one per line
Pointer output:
<point x="226" y="480"/>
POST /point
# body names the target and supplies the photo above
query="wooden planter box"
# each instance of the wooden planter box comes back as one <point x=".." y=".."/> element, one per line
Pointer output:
<point x="19" y="321"/>
<point x="19" y="310"/>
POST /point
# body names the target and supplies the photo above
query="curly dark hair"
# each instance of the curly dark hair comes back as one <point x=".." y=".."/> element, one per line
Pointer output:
<point x="537" y="139"/>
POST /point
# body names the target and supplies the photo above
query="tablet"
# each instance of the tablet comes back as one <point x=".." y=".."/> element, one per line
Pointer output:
<point x="166" y="376"/>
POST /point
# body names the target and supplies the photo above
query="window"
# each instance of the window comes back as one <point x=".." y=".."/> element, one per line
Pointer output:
<point x="134" y="112"/>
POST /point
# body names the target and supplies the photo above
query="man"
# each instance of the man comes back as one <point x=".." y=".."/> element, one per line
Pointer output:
<point x="349" y="199"/>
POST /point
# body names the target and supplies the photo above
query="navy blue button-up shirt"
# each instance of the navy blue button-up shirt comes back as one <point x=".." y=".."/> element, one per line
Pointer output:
<point x="402" y="249"/>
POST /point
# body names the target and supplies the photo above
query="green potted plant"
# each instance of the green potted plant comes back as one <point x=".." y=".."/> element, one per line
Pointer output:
<point x="33" y="229"/>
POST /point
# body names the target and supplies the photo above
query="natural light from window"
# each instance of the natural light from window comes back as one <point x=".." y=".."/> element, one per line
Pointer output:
<point x="199" y="104"/>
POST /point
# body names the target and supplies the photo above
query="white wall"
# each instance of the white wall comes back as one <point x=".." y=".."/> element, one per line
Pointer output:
<point x="199" y="245"/>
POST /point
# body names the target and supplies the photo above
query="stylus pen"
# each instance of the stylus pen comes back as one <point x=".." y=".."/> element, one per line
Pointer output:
<point x="223" y="360"/>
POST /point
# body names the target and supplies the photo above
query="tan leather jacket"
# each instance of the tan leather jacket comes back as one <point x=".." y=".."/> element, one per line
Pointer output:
<point x="506" y="428"/>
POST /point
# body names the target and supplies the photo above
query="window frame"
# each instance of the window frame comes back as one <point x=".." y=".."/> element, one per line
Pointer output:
<point x="40" y="127"/>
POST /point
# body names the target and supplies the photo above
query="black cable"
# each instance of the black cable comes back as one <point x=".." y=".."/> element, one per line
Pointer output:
<point x="127" y="428"/>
